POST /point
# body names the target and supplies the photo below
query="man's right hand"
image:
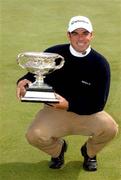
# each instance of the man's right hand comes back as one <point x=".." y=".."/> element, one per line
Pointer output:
<point x="21" y="88"/>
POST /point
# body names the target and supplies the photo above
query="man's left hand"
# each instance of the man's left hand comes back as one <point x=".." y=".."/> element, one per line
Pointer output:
<point x="63" y="103"/>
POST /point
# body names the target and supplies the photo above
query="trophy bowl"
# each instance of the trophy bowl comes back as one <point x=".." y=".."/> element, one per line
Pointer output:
<point x="40" y="64"/>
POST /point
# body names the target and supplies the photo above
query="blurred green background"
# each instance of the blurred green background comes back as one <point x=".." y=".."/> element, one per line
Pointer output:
<point x="33" y="25"/>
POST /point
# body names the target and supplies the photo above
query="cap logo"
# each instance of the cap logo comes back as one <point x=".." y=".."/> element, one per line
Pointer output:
<point x="81" y="21"/>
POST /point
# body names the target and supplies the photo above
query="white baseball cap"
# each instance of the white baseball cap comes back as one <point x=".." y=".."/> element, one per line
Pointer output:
<point x="80" y="22"/>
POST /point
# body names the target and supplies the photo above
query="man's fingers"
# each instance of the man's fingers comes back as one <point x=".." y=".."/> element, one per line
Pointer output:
<point x="20" y="92"/>
<point x="21" y="88"/>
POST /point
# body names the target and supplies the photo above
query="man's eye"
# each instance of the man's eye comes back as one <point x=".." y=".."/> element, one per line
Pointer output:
<point x="74" y="33"/>
<point x="86" y="33"/>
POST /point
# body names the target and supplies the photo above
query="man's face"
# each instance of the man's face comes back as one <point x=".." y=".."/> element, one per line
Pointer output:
<point x="80" y="39"/>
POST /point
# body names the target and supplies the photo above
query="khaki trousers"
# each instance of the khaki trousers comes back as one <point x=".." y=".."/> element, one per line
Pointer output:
<point x="50" y="125"/>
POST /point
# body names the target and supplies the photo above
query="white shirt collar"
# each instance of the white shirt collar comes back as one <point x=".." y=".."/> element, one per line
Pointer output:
<point x="78" y="54"/>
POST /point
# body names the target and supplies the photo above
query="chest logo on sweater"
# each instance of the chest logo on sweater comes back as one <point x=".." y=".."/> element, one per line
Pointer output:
<point x="86" y="83"/>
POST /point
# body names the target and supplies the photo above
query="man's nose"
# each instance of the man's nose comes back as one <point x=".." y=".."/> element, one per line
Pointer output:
<point x="81" y="37"/>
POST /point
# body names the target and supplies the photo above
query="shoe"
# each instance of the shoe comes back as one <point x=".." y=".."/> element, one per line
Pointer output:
<point x="57" y="163"/>
<point x="89" y="164"/>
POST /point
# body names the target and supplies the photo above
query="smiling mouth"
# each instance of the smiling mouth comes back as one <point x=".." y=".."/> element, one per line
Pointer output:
<point x="80" y="44"/>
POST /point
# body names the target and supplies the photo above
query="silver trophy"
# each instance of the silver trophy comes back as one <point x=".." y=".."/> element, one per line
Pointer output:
<point x="40" y="64"/>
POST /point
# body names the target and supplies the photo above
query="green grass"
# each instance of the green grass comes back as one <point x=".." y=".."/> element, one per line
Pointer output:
<point x="33" y="25"/>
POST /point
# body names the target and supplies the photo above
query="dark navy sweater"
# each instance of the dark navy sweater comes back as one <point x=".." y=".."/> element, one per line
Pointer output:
<point x="83" y="81"/>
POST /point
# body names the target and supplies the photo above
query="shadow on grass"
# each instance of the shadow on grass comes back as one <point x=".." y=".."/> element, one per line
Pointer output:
<point x="39" y="171"/>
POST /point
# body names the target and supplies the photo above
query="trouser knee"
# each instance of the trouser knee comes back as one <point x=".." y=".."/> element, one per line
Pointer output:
<point x="111" y="130"/>
<point x="35" y="136"/>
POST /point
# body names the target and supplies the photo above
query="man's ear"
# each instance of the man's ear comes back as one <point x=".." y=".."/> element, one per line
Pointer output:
<point x="92" y="35"/>
<point x="68" y="35"/>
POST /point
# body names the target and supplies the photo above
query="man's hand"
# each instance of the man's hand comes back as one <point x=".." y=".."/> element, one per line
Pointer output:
<point x="21" y="88"/>
<point x="63" y="103"/>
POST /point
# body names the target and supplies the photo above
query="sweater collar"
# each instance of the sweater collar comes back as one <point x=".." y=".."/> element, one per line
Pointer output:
<point x="78" y="54"/>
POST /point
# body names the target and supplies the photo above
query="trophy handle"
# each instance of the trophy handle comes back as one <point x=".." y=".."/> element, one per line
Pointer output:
<point x="19" y="58"/>
<point x="58" y="66"/>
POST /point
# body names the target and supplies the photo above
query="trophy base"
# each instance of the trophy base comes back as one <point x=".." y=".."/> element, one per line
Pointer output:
<point x="40" y="95"/>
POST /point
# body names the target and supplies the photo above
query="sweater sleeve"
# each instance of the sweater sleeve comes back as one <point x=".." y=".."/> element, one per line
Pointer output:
<point x="28" y="76"/>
